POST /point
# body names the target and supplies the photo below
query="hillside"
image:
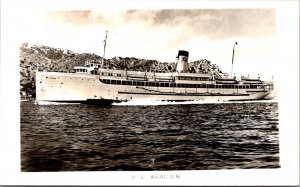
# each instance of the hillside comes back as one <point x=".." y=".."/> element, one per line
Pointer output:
<point x="46" y="58"/>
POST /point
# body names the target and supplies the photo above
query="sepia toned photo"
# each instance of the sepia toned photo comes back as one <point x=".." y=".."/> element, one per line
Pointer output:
<point x="152" y="94"/>
<point x="155" y="96"/>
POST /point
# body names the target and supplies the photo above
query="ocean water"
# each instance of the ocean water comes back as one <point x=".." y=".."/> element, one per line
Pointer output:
<point x="135" y="137"/>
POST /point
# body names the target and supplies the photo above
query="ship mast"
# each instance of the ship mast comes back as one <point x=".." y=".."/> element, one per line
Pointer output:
<point x="104" y="49"/>
<point x="232" y="57"/>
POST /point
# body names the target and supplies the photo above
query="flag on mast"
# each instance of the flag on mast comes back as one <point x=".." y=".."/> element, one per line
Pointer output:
<point x="233" y="51"/>
<point x="232" y="57"/>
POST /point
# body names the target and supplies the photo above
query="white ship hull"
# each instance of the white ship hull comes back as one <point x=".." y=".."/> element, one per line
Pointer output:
<point x="87" y="88"/>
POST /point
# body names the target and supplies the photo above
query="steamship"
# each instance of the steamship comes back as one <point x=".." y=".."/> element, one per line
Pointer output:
<point x="93" y="84"/>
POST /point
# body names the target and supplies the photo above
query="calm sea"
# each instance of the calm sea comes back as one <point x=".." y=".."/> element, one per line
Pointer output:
<point x="156" y="137"/>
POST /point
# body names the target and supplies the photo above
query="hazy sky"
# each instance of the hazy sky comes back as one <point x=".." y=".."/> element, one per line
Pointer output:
<point x="159" y="34"/>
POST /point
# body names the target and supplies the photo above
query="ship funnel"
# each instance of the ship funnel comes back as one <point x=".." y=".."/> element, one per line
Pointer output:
<point x="182" y="61"/>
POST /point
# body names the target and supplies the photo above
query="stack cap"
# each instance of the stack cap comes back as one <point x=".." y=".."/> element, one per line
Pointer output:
<point x="183" y="53"/>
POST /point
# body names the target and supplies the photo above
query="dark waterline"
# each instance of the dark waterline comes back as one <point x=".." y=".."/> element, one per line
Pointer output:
<point x="162" y="137"/>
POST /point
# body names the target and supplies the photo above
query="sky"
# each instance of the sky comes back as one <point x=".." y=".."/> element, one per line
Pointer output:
<point x="158" y="34"/>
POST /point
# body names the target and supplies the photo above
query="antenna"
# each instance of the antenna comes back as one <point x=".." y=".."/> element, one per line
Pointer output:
<point x="104" y="48"/>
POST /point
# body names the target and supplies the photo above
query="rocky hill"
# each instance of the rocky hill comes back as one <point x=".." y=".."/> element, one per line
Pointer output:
<point x="46" y="58"/>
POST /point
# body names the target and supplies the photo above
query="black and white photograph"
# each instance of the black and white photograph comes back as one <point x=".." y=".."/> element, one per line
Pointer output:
<point x="133" y="93"/>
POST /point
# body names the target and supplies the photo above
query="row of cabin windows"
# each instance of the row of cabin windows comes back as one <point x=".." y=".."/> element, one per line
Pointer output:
<point x="110" y="74"/>
<point x="80" y="70"/>
<point x="94" y="65"/>
<point x="179" y="78"/>
<point x="194" y="78"/>
<point x="178" y="85"/>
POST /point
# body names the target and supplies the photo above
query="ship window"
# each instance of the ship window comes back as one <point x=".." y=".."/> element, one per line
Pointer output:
<point x="119" y="75"/>
<point x="181" y="85"/>
<point x="157" y="84"/>
<point x="134" y="83"/>
<point x="113" y="81"/>
<point x="119" y="82"/>
<point x="172" y="84"/>
<point x="151" y="84"/>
